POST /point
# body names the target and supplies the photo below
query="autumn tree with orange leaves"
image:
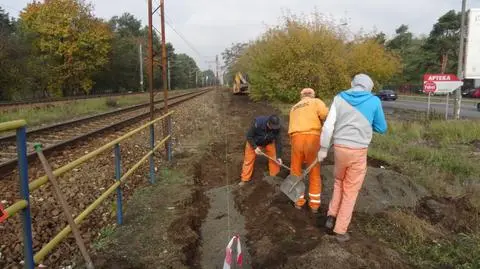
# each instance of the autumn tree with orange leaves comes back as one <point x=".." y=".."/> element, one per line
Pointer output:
<point x="312" y="52"/>
<point x="72" y="43"/>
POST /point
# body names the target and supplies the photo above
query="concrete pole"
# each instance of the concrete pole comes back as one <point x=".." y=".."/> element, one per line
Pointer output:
<point x="168" y="72"/>
<point x="164" y="56"/>
<point x="458" y="93"/>
<point x="140" y="59"/>
<point x="150" y="58"/>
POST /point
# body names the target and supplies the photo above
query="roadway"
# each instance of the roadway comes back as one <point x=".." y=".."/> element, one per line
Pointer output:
<point x="468" y="110"/>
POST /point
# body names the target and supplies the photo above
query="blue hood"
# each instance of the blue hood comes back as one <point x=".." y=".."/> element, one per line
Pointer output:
<point x="356" y="98"/>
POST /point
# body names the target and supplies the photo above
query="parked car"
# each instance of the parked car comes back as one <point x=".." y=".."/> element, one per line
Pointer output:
<point x="468" y="92"/>
<point x="387" y="95"/>
<point x="475" y="93"/>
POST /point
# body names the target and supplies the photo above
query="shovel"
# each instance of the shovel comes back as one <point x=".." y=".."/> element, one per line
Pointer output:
<point x="293" y="186"/>
<point x="270" y="158"/>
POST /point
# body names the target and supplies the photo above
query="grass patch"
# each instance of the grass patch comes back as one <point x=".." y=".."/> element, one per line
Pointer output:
<point x="56" y="112"/>
<point x="169" y="176"/>
<point x="104" y="237"/>
<point x="63" y="111"/>
<point x="422" y="243"/>
<point x="436" y="153"/>
<point x="441" y="156"/>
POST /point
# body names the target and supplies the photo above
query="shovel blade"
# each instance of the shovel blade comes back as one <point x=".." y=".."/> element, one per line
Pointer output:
<point x="297" y="191"/>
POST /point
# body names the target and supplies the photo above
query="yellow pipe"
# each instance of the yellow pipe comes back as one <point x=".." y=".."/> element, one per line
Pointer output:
<point x="12" y="125"/>
<point x="64" y="233"/>
<point x="17" y="206"/>
<point x="37" y="183"/>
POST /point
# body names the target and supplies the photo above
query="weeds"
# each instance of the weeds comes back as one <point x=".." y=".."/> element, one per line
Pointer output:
<point x="63" y="111"/>
<point x="436" y="153"/>
<point x="425" y="245"/>
<point x="439" y="155"/>
<point x="111" y="102"/>
<point x="103" y="237"/>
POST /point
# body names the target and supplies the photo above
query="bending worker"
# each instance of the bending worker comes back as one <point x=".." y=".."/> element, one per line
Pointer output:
<point x="305" y="126"/>
<point x="354" y="115"/>
<point x="264" y="134"/>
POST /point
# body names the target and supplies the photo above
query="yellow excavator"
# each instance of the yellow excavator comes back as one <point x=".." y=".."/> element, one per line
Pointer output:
<point x="240" y="84"/>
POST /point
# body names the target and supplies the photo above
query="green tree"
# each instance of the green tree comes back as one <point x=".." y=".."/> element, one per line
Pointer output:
<point x="184" y="71"/>
<point x="443" y="43"/>
<point x="70" y="40"/>
<point x="208" y="78"/>
<point x="409" y="48"/>
<point x="311" y="53"/>
<point x="18" y="71"/>
<point x="230" y="56"/>
<point x="401" y="41"/>
<point x="122" y="72"/>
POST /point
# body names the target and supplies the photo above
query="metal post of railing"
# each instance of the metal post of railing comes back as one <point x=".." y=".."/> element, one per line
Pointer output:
<point x="169" y="142"/>
<point x="25" y="194"/>
<point x="118" y="175"/>
<point x="152" y="146"/>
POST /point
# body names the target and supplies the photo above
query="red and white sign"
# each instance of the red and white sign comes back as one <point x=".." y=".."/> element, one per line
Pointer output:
<point x="429" y="87"/>
<point x="441" y="83"/>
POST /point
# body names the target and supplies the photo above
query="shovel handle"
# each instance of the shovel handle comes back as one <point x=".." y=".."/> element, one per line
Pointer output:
<point x="310" y="167"/>
<point x="270" y="158"/>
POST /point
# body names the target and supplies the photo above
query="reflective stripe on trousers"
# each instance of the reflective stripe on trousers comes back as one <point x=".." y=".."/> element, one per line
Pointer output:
<point x="304" y="151"/>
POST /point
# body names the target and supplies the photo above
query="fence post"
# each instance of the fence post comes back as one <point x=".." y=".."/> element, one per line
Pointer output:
<point x="118" y="175"/>
<point x="169" y="142"/>
<point x="25" y="194"/>
<point x="152" y="146"/>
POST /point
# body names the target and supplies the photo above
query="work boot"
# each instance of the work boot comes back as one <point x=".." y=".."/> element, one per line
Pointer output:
<point x="330" y="223"/>
<point x="298" y="207"/>
<point x="242" y="183"/>
<point x="342" y="238"/>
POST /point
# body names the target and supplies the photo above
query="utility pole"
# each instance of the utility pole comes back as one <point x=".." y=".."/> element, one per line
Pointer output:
<point x="140" y="59"/>
<point x="150" y="58"/>
<point x="458" y="93"/>
<point x="216" y="69"/>
<point x="164" y="56"/>
<point x="168" y="69"/>
<point x="196" y="79"/>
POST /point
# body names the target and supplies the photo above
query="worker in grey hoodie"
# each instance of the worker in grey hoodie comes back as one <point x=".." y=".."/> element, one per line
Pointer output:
<point x="354" y="115"/>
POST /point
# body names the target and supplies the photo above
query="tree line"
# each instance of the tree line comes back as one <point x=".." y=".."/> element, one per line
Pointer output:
<point x="321" y="54"/>
<point x="59" y="48"/>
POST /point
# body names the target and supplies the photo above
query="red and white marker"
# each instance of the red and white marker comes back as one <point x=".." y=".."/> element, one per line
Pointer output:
<point x="3" y="213"/>
<point x="229" y="254"/>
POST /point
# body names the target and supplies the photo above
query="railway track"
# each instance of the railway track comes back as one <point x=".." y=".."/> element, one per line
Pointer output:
<point x="59" y="136"/>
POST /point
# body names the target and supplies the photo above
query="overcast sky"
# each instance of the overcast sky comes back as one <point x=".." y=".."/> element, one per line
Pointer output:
<point x="212" y="25"/>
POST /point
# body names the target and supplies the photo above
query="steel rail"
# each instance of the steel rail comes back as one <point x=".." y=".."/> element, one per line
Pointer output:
<point x="8" y="166"/>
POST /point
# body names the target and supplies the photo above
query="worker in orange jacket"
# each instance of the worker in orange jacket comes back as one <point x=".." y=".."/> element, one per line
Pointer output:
<point x="305" y="127"/>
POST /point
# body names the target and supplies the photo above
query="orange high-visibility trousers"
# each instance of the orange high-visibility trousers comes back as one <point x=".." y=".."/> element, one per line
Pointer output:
<point x="350" y="171"/>
<point x="249" y="161"/>
<point x="304" y="150"/>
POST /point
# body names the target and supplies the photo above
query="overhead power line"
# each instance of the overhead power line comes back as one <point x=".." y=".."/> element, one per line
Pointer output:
<point x="189" y="44"/>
